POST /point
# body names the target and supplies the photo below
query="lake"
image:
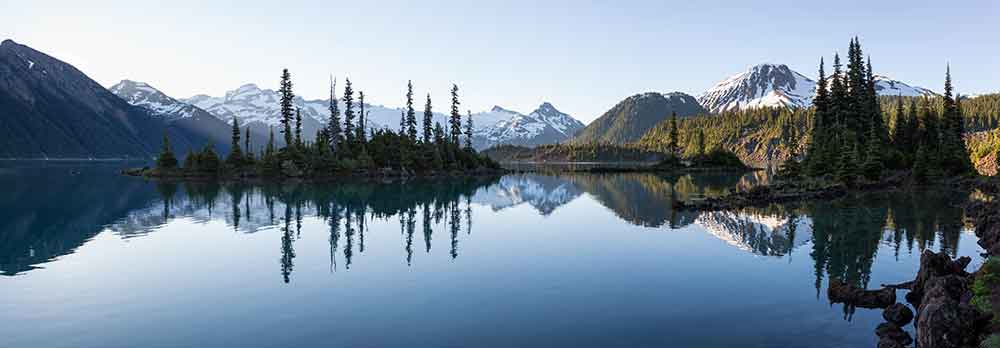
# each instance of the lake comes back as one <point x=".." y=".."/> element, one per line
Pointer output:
<point x="92" y="259"/>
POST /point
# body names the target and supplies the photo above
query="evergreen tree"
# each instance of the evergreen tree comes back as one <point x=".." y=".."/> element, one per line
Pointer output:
<point x="191" y="161"/>
<point x="954" y="154"/>
<point x="699" y="143"/>
<point x="822" y="123"/>
<point x="333" y="129"/>
<point x="248" y="151"/>
<point x="348" y="115"/>
<point x="873" y="166"/>
<point x="921" y="163"/>
<point x="298" y="129"/>
<point x="235" y="158"/>
<point x="287" y="105"/>
<point x="428" y="118"/>
<point x="672" y="147"/>
<point x="838" y="99"/>
<point x="456" y="118"/>
<point x="848" y="169"/>
<point x="361" y="137"/>
<point x="166" y="160"/>
<point x="411" y="114"/>
<point x="269" y="151"/>
<point x="468" y="132"/>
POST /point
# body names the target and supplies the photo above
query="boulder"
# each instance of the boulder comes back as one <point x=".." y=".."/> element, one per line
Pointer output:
<point x="840" y="292"/>
<point x="891" y="335"/>
<point x="898" y="314"/>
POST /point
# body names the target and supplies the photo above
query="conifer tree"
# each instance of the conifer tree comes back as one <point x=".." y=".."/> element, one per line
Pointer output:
<point x="235" y="158"/>
<point x="822" y="123"/>
<point x="191" y="161"/>
<point x="248" y="151"/>
<point x="411" y="114"/>
<point x="348" y="115"/>
<point x="269" y="151"/>
<point x="672" y="147"/>
<point x="468" y="131"/>
<point x="361" y="136"/>
<point x="428" y="118"/>
<point x="955" y="156"/>
<point x="298" y="129"/>
<point x="456" y="118"/>
<point x="333" y="128"/>
<point x="699" y="143"/>
<point x="873" y="166"/>
<point x="848" y="169"/>
<point x="287" y="106"/>
<point x="166" y="160"/>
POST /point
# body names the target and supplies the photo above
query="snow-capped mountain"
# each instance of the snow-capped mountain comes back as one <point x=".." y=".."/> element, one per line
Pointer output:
<point x="764" y="85"/>
<point x="256" y="106"/>
<point x="545" y="125"/>
<point x="890" y="87"/>
<point x="542" y="192"/>
<point x="159" y="104"/>
<point x="759" y="234"/>
<point x="776" y="85"/>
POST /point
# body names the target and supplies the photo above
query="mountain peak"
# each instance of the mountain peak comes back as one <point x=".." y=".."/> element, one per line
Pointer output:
<point x="762" y="85"/>
<point x="498" y="108"/>
<point x="7" y="42"/>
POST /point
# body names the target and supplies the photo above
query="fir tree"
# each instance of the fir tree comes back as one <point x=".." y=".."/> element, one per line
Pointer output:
<point x="333" y="128"/>
<point x="822" y="123"/>
<point x="235" y="158"/>
<point x="672" y="148"/>
<point x="468" y="131"/>
<point x="699" y="143"/>
<point x="411" y="114"/>
<point x="298" y="129"/>
<point x="287" y="106"/>
<point x="248" y="151"/>
<point x="348" y="115"/>
<point x="166" y="160"/>
<point x="456" y="118"/>
<point x="954" y="155"/>
<point x="361" y="137"/>
<point x="873" y="166"/>
<point x="848" y="169"/>
<point x="428" y="118"/>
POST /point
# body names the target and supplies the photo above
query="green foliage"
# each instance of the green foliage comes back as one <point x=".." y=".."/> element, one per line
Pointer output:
<point x="166" y="160"/>
<point x="987" y="278"/>
<point x="287" y="105"/>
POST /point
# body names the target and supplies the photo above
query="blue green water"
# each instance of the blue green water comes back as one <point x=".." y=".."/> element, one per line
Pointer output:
<point x="92" y="259"/>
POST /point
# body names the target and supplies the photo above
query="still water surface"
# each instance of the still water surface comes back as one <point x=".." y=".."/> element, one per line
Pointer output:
<point x="92" y="259"/>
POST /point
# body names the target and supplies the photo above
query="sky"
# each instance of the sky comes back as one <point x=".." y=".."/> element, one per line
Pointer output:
<point x="582" y="56"/>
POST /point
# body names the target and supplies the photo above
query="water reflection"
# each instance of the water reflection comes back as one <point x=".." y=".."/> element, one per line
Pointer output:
<point x="540" y="239"/>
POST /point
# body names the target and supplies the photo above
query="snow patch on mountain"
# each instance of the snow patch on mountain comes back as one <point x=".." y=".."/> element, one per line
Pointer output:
<point x="143" y="95"/>
<point x="764" y="85"/>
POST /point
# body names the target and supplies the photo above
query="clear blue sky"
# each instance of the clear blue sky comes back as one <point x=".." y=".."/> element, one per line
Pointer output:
<point x="581" y="56"/>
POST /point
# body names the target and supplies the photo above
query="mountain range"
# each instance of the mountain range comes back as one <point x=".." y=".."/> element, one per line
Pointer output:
<point x="631" y="118"/>
<point x="776" y="85"/>
<point x="52" y="110"/>
<point x="49" y="109"/>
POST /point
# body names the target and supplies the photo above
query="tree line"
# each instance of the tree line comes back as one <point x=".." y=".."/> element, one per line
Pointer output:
<point x="850" y="138"/>
<point x="347" y="143"/>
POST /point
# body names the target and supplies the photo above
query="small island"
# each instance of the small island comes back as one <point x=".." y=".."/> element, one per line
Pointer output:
<point x="342" y="148"/>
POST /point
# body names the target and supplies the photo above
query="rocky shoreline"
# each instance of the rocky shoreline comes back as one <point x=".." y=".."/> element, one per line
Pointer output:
<point x="953" y="307"/>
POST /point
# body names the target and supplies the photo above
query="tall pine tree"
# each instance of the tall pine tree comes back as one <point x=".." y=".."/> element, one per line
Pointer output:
<point x="348" y="115"/>
<point x="456" y="118"/>
<point x="235" y="158"/>
<point x="411" y="114"/>
<point x="287" y="106"/>
<point x="468" y="131"/>
<point x="428" y="118"/>
<point x="333" y="128"/>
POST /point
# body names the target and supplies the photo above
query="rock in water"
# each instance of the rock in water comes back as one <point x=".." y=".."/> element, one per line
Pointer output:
<point x="898" y="314"/>
<point x="891" y="335"/>
<point x="840" y="292"/>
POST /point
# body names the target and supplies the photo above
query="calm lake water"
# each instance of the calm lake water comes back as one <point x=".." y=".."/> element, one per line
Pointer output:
<point x="92" y="259"/>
